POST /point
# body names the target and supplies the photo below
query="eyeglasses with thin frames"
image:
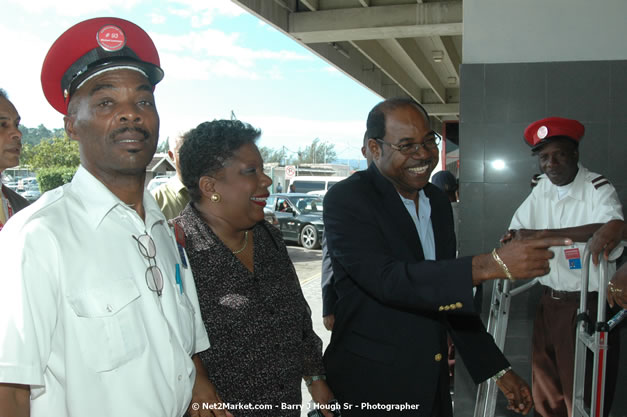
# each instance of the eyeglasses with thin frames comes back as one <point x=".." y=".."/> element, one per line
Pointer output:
<point x="154" y="277"/>
<point x="431" y="143"/>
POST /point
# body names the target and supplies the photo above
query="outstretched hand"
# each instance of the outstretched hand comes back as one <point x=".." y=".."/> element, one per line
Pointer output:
<point x="530" y="258"/>
<point x="517" y="392"/>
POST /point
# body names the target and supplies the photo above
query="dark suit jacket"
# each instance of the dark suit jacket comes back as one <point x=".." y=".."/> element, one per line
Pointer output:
<point x="388" y="344"/>
<point x="17" y="201"/>
<point x="326" y="281"/>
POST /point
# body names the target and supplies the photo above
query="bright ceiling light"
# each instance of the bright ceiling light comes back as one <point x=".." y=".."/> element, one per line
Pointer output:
<point x="498" y="164"/>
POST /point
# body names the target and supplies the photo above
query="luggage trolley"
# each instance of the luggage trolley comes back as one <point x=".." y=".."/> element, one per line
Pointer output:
<point x="595" y="340"/>
<point x="592" y="337"/>
<point x="498" y="318"/>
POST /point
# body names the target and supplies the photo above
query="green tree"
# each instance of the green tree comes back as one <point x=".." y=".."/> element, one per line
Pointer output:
<point x="54" y="152"/>
<point x="32" y="136"/>
<point x="53" y="177"/>
<point x="317" y="153"/>
<point x="164" y="146"/>
<point x="273" y="155"/>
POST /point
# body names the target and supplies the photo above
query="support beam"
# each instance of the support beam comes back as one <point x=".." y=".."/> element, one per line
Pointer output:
<point x="381" y="58"/>
<point x="267" y="11"/>
<point x="423" y="66"/>
<point x="451" y="52"/>
<point x="284" y="4"/>
<point x="450" y="109"/>
<point x="380" y="22"/>
<point x="311" y="4"/>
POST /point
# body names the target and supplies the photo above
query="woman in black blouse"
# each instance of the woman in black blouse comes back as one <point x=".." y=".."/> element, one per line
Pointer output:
<point x="259" y="324"/>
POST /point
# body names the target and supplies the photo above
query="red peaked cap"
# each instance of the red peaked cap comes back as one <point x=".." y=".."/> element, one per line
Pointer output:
<point x="90" y="47"/>
<point x="538" y="133"/>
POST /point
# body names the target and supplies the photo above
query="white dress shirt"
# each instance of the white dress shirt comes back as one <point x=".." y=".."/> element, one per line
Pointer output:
<point x="78" y="322"/>
<point x="422" y="221"/>
<point x="590" y="198"/>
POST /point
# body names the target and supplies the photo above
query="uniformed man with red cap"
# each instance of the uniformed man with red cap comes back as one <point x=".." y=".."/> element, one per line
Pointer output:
<point x="98" y="310"/>
<point x="571" y="201"/>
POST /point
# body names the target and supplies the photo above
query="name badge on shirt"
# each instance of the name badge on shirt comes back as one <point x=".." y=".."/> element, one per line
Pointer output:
<point x="573" y="258"/>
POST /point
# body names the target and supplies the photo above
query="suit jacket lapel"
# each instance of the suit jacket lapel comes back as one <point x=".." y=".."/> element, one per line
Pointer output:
<point x="397" y="216"/>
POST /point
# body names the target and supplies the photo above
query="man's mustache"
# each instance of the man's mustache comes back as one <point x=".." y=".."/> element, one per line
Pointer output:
<point x="122" y="130"/>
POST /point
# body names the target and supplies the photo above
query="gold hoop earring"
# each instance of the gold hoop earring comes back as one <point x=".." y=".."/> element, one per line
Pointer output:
<point x="216" y="197"/>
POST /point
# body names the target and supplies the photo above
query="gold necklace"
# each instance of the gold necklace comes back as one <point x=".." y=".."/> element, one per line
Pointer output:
<point x="235" y="252"/>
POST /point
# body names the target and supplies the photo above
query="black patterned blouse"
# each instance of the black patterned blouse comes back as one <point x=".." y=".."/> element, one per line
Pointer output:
<point x="259" y="325"/>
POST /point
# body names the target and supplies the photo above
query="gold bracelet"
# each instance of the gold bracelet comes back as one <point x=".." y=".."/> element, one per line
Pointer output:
<point x="504" y="267"/>
<point x="613" y="288"/>
<point x="500" y="373"/>
<point x="311" y="380"/>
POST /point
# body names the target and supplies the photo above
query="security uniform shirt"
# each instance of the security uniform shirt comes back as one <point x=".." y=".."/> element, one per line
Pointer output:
<point x="590" y="198"/>
<point x="78" y="322"/>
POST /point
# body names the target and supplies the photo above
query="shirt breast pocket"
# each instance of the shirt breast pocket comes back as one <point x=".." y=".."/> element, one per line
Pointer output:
<point x="109" y="326"/>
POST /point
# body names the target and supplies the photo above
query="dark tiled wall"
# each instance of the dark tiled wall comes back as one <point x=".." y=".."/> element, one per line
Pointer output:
<point x="497" y="102"/>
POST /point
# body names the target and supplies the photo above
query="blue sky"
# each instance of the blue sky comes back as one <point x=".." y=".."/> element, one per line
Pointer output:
<point x="217" y="58"/>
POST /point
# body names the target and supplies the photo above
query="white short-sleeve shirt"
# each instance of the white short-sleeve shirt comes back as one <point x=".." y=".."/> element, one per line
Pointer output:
<point x="78" y="322"/>
<point x="590" y="199"/>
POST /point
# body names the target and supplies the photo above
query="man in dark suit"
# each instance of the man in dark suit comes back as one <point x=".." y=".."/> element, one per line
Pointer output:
<point x="391" y="239"/>
<point x="329" y="297"/>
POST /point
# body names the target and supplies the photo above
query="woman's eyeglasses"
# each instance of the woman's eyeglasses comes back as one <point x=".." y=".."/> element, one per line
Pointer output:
<point x="154" y="277"/>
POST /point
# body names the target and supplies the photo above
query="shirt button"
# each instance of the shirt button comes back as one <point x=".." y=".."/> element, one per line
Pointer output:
<point x="180" y="377"/>
<point x="438" y="357"/>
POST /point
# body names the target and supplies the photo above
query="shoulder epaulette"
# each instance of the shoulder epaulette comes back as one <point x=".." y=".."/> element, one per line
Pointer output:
<point x="600" y="181"/>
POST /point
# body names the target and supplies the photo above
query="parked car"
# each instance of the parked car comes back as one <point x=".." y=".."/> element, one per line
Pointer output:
<point x="268" y="214"/>
<point x="26" y="183"/>
<point x="12" y="185"/>
<point x="300" y="217"/>
<point x="157" y="181"/>
<point x="30" y="193"/>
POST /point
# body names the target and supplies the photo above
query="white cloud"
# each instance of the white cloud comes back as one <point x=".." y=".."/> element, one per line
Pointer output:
<point x="203" y="12"/>
<point x="74" y="8"/>
<point x="20" y="73"/>
<point x="215" y="43"/>
<point x="197" y="55"/>
<point x="157" y="19"/>
<point x="189" y="68"/>
<point x="278" y="131"/>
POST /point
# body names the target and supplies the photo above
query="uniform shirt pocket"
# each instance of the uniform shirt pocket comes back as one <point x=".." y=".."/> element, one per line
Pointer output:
<point x="109" y="325"/>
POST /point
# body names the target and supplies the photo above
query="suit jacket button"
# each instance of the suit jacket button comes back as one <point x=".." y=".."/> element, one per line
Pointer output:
<point x="447" y="308"/>
<point x="441" y="308"/>
<point x="459" y="305"/>
<point x="438" y="357"/>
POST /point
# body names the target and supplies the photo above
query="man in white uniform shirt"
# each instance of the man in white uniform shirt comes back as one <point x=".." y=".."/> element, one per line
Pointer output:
<point x="98" y="310"/>
<point x="568" y="201"/>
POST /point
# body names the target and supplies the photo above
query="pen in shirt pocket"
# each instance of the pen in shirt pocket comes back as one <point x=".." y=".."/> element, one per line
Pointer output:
<point x="179" y="281"/>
